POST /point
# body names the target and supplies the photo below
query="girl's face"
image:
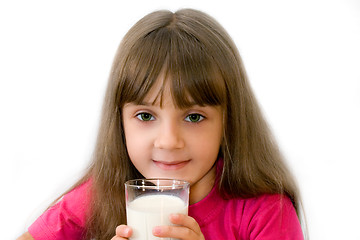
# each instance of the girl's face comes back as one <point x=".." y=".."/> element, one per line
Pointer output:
<point x="169" y="142"/>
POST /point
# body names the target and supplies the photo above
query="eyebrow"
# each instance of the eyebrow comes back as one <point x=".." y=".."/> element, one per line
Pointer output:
<point x="143" y="103"/>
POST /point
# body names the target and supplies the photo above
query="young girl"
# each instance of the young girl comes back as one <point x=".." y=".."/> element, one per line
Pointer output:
<point x="179" y="105"/>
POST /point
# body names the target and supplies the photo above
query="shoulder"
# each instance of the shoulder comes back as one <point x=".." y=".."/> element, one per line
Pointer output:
<point x="79" y="196"/>
<point x="258" y="205"/>
<point x="266" y="206"/>
<point x="66" y="219"/>
<point x="75" y="203"/>
<point x="265" y="217"/>
<point x="268" y="202"/>
<point x="271" y="216"/>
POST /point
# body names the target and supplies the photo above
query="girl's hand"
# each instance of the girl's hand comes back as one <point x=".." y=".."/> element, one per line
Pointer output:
<point x="122" y="232"/>
<point x="187" y="228"/>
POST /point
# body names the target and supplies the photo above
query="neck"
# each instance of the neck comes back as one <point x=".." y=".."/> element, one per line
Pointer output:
<point x="203" y="187"/>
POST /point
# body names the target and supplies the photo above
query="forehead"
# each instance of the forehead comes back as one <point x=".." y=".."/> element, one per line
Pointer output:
<point x="173" y="61"/>
<point x="161" y="93"/>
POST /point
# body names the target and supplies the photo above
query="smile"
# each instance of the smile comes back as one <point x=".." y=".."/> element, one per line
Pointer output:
<point x="171" y="165"/>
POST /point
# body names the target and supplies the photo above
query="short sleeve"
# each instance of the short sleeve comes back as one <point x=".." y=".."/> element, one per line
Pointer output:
<point x="275" y="218"/>
<point x="66" y="219"/>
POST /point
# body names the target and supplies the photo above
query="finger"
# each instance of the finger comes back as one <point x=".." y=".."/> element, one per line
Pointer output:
<point x="118" y="238"/>
<point x="123" y="231"/>
<point x="186" y="221"/>
<point x="177" y="232"/>
<point x="187" y="228"/>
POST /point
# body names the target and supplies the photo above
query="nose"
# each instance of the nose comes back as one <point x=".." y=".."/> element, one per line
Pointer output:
<point x="169" y="136"/>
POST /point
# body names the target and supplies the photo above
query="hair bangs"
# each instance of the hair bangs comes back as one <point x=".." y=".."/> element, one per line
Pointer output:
<point x="143" y="67"/>
<point x="176" y="57"/>
<point x="195" y="77"/>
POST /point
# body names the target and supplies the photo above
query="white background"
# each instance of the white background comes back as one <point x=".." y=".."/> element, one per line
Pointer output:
<point x="302" y="58"/>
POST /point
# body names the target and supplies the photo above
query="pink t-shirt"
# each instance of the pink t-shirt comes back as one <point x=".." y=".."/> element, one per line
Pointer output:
<point x="266" y="217"/>
<point x="66" y="219"/>
<point x="261" y="218"/>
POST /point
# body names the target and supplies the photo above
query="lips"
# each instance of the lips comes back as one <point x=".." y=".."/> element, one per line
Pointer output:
<point x="173" y="165"/>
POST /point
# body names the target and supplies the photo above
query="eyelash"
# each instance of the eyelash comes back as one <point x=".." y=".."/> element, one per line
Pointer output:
<point x="140" y="116"/>
<point x="147" y="115"/>
<point x="199" y="117"/>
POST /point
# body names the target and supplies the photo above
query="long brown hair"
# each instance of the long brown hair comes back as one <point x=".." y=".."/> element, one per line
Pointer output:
<point x="204" y="64"/>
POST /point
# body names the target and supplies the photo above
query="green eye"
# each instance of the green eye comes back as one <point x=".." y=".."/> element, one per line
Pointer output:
<point x="145" y="116"/>
<point x="194" y="118"/>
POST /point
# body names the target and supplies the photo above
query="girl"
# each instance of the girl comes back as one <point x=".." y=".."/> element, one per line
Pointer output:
<point x="179" y="105"/>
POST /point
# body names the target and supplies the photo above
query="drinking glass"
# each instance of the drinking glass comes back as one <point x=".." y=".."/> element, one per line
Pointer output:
<point x="149" y="202"/>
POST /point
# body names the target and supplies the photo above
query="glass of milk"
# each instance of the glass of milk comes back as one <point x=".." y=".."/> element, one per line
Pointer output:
<point x="149" y="202"/>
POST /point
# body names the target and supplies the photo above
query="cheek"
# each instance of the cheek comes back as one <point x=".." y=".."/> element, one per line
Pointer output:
<point x="138" y="144"/>
<point x="206" y="145"/>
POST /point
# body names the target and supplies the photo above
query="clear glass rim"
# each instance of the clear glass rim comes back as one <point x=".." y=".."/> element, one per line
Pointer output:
<point x="158" y="183"/>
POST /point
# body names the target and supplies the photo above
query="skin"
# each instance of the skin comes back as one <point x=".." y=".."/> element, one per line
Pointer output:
<point x="174" y="143"/>
<point x="25" y="236"/>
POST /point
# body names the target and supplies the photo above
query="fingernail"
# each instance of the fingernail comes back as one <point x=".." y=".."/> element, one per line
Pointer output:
<point x="174" y="216"/>
<point x="156" y="230"/>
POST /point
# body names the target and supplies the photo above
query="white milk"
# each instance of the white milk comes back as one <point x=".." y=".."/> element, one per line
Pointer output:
<point x="144" y="213"/>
